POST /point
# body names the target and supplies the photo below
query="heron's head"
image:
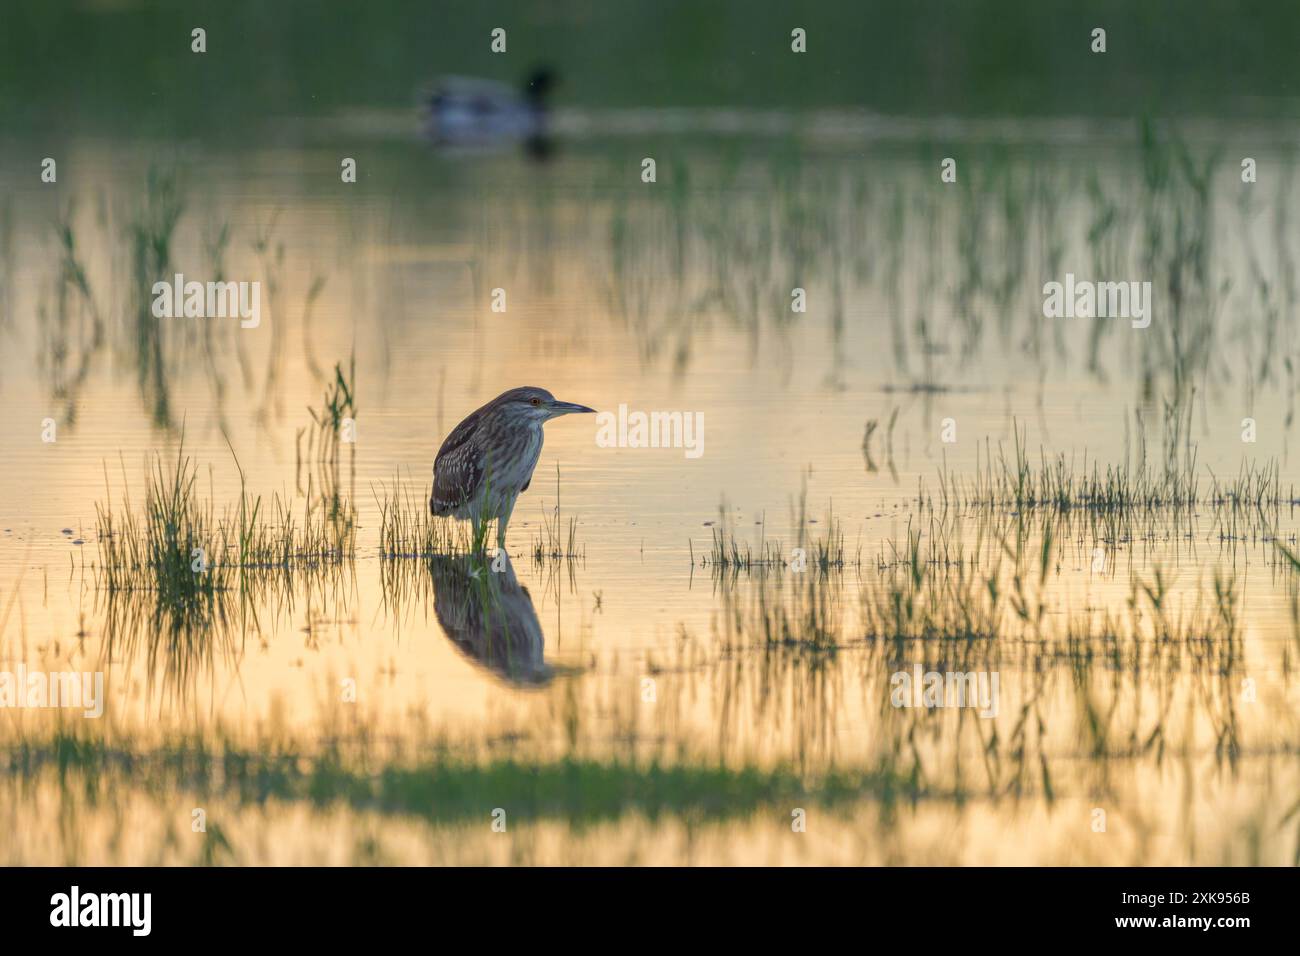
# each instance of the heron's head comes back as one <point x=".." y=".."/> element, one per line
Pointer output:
<point x="535" y="405"/>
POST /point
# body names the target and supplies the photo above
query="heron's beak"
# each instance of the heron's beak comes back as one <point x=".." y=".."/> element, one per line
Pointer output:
<point x="567" y="408"/>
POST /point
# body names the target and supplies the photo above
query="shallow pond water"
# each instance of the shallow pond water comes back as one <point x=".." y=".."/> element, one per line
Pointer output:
<point x="878" y="385"/>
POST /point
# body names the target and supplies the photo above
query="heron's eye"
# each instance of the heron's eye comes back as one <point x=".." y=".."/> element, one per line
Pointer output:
<point x="535" y="401"/>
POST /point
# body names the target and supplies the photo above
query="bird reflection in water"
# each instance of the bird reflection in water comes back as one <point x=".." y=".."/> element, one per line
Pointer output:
<point x="490" y="617"/>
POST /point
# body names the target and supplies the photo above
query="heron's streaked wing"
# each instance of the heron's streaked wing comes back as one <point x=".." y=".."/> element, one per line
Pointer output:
<point x="457" y="473"/>
<point x="460" y="434"/>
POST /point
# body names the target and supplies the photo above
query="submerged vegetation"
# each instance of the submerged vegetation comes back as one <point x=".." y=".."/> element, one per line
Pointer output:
<point x="407" y="529"/>
<point x="556" y="541"/>
<point x="181" y="548"/>
<point x="178" y="577"/>
<point x="445" y="787"/>
<point x="1061" y="485"/>
<point x="819" y="552"/>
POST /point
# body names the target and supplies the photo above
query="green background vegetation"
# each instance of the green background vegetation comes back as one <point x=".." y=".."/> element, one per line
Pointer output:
<point x="82" y="64"/>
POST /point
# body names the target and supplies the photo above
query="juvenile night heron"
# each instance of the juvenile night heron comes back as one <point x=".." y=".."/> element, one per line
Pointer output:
<point x="488" y="459"/>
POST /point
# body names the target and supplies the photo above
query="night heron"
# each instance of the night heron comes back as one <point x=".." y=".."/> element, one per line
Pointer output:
<point x="488" y="459"/>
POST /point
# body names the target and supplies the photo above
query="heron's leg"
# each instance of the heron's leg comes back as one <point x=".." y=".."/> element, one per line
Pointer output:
<point x="476" y="525"/>
<point x="504" y="519"/>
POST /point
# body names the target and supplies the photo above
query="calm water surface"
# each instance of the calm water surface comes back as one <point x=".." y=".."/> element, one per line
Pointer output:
<point x="924" y="304"/>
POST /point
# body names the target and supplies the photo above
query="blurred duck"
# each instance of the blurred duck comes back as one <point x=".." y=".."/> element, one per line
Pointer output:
<point x="481" y="113"/>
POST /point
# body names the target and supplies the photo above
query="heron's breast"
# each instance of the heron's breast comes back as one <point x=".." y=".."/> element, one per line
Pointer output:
<point x="516" y="468"/>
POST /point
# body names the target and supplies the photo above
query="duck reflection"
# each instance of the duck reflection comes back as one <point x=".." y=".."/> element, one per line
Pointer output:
<point x="490" y="617"/>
